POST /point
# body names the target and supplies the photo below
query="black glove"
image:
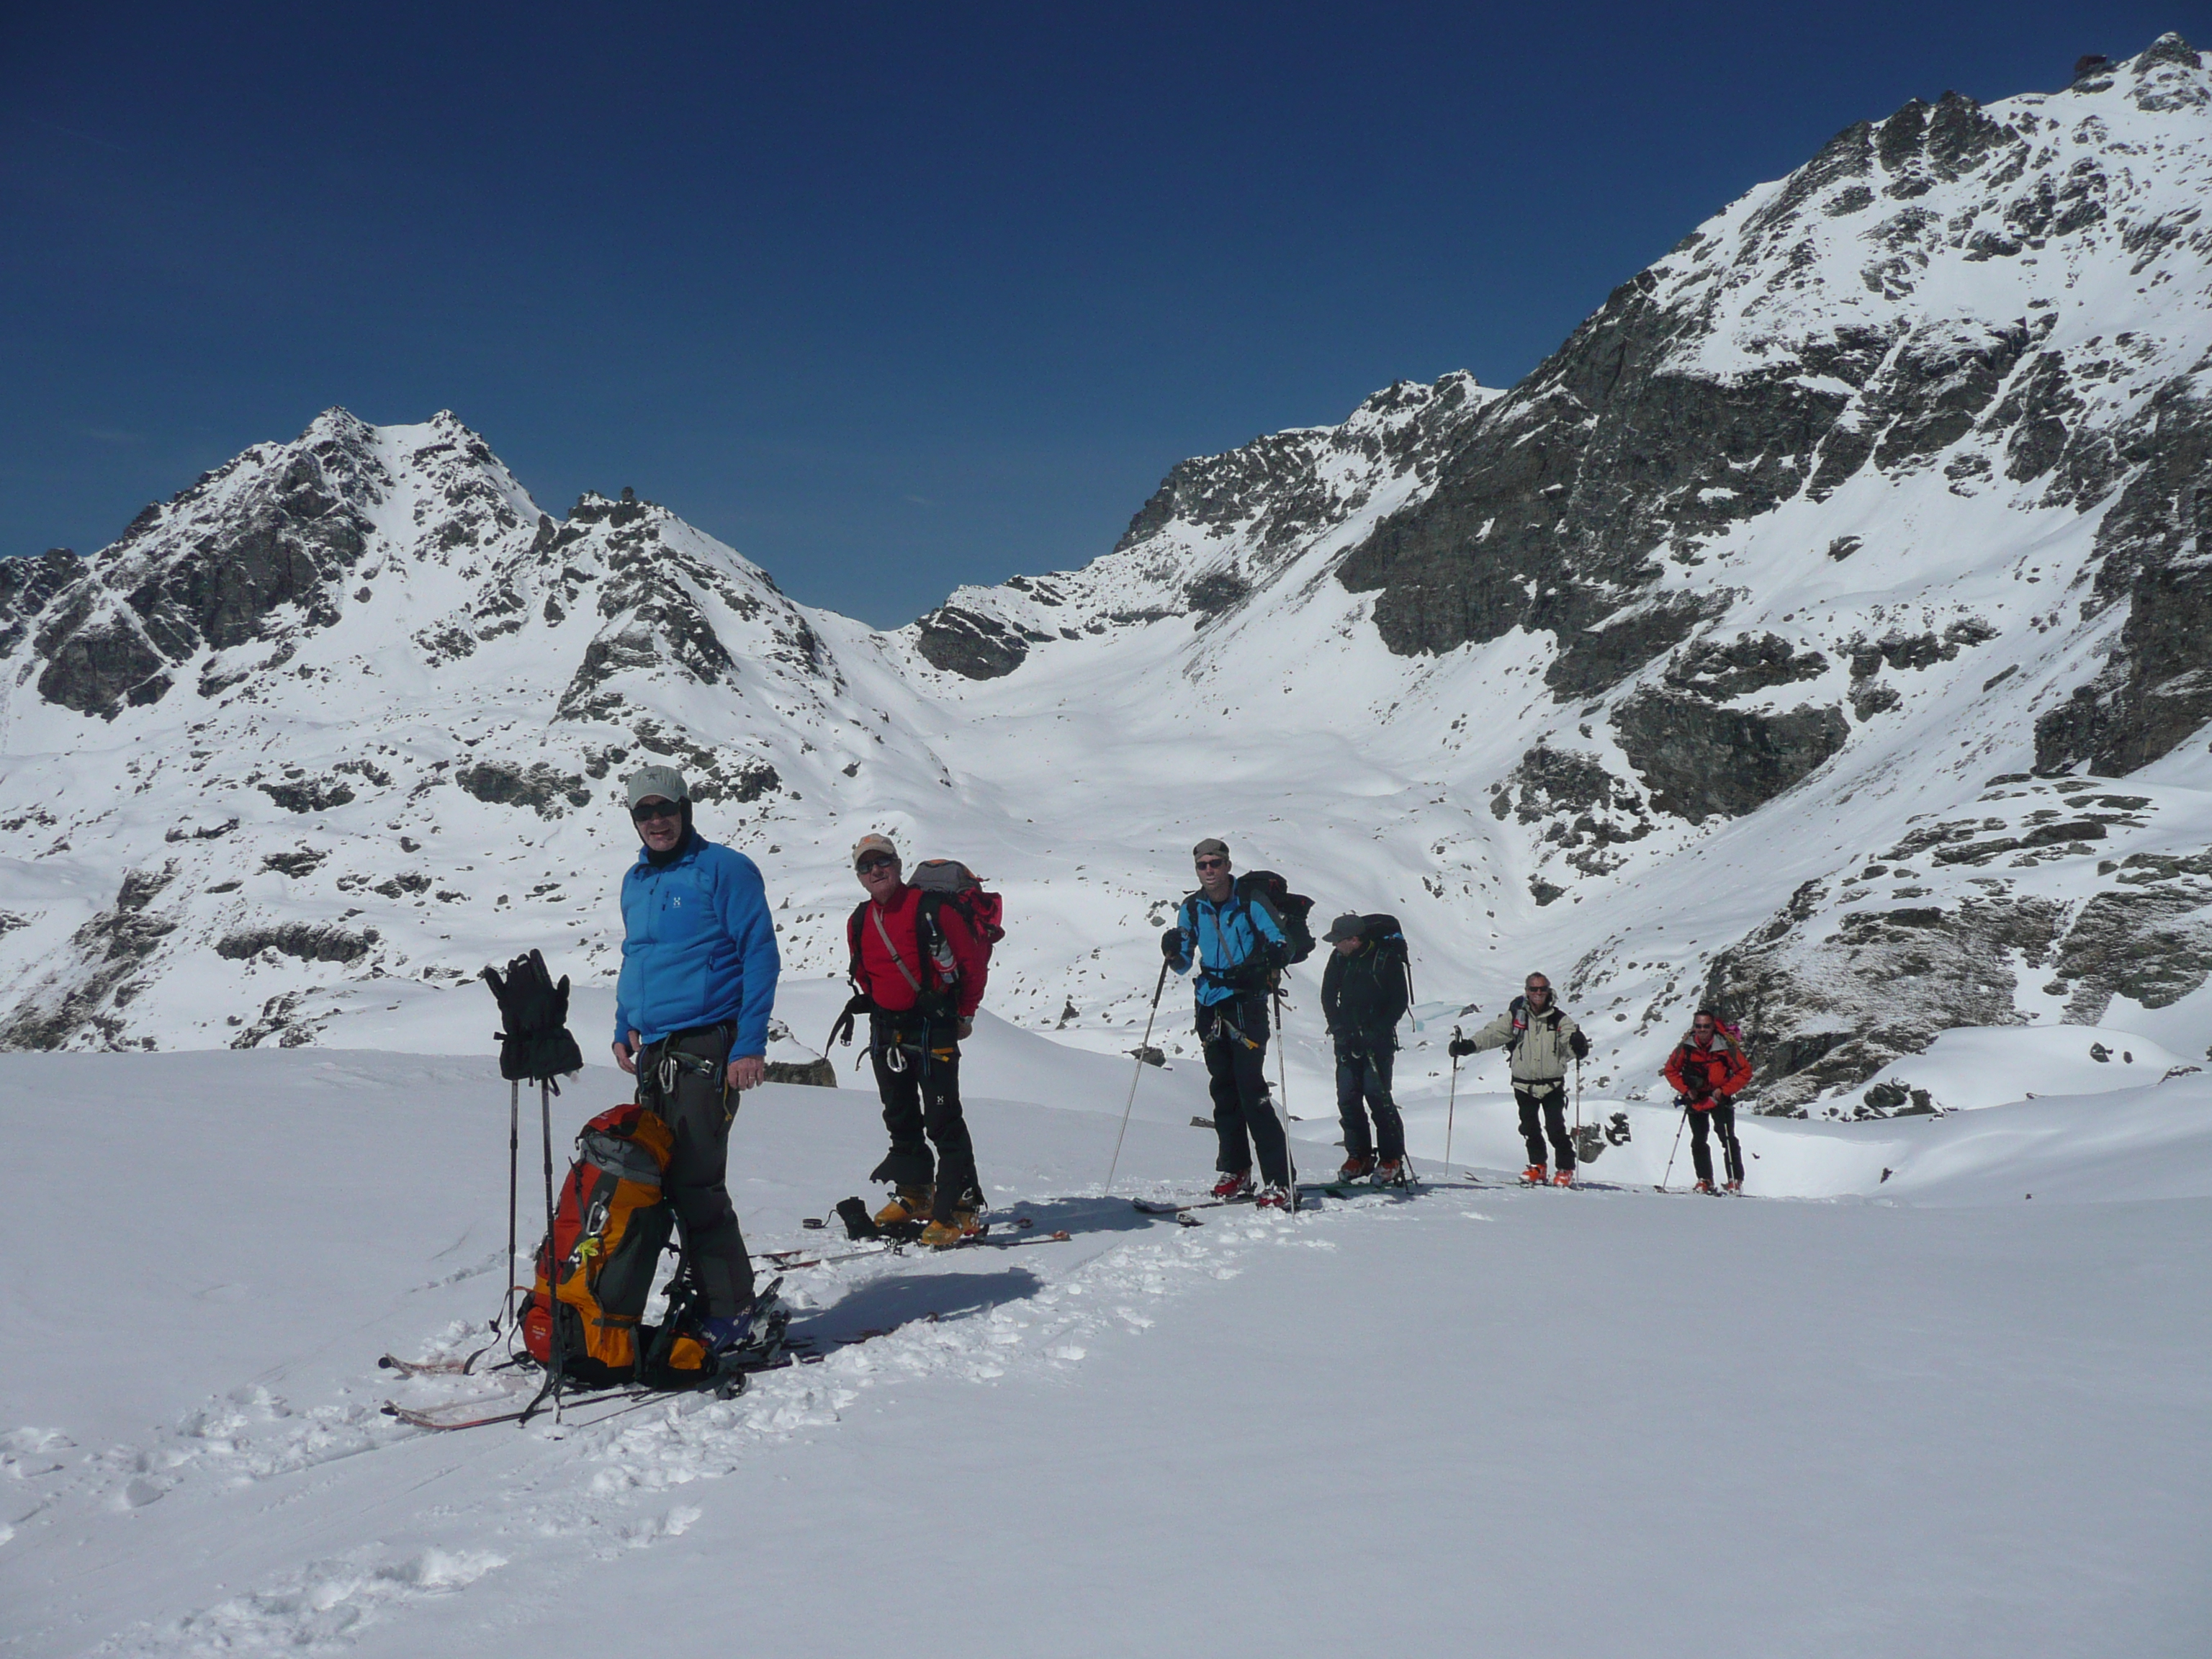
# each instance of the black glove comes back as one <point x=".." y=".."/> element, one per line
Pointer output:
<point x="1459" y="1047"/>
<point x="536" y="1046"/>
<point x="841" y="1031"/>
<point x="1171" y="945"/>
<point x="1578" y="1045"/>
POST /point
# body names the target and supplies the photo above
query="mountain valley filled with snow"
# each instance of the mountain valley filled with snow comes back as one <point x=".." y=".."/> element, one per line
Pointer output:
<point x="1824" y="630"/>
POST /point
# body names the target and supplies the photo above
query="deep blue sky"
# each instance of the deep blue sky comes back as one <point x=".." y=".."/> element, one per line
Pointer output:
<point x="890" y="298"/>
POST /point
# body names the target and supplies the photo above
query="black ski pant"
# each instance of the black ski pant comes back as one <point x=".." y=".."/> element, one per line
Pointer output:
<point x="682" y="1078"/>
<point x="1722" y="1116"/>
<point x="1234" y="1035"/>
<point x="917" y="1063"/>
<point x="1363" y="1085"/>
<point x="1549" y="1098"/>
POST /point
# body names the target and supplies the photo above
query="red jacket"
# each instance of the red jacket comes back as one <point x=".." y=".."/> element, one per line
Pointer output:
<point x="1708" y="1076"/>
<point x="953" y="963"/>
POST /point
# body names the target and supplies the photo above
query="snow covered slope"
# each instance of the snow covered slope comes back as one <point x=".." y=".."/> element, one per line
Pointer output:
<point x="1776" y="640"/>
<point x="1934" y="1417"/>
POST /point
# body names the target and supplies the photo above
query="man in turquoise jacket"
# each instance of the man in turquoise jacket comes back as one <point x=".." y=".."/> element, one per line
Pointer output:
<point x="691" y="1008"/>
<point x="1236" y="944"/>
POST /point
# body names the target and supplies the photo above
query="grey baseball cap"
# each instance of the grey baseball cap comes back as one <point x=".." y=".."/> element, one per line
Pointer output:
<point x="1347" y="926"/>
<point x="1211" y="847"/>
<point x="664" y="781"/>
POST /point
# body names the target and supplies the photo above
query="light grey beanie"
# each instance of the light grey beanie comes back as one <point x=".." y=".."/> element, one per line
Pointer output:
<point x="664" y="781"/>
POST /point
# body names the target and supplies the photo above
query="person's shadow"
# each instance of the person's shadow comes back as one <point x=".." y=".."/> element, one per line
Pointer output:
<point x="885" y="1303"/>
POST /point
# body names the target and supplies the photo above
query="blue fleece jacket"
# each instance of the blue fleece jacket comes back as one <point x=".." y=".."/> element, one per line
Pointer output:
<point x="1226" y="937"/>
<point x="698" y="947"/>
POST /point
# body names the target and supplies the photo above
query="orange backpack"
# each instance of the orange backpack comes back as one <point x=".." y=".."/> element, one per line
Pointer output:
<point x="596" y="1270"/>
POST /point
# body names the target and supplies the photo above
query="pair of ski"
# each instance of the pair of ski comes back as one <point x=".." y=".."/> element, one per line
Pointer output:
<point x="786" y="1261"/>
<point x="803" y="1351"/>
<point x="1336" y="1189"/>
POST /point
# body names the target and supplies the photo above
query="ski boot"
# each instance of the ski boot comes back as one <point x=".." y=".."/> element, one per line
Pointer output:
<point x="909" y="1203"/>
<point x="1273" y="1196"/>
<point x="1706" y="1187"/>
<point x="1533" y="1175"/>
<point x="1564" y="1178"/>
<point x="1357" y="1167"/>
<point x="943" y="1235"/>
<point x="1234" y="1184"/>
<point x="1736" y="1186"/>
<point x="748" y="1339"/>
<point x="1392" y="1172"/>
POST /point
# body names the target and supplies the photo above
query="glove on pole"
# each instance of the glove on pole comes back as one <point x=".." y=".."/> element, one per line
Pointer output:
<point x="1129" y="1105"/>
<point x="536" y="1046"/>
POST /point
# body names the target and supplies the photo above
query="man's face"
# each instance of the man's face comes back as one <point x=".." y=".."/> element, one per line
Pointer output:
<point x="1347" y="947"/>
<point x="878" y="873"/>
<point x="659" y="821"/>
<point x="1701" y="1032"/>
<point x="1214" y="873"/>
<point x="1538" y="991"/>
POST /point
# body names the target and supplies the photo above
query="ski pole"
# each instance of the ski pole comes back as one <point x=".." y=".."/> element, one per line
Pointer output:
<point x="1130" y="1104"/>
<point x="1679" y="1127"/>
<point x="514" y="1192"/>
<point x="1452" y="1104"/>
<point x="552" y="1268"/>
<point x="1282" y="1073"/>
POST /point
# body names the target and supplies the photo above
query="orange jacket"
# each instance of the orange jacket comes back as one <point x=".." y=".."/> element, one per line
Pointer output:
<point x="1710" y="1075"/>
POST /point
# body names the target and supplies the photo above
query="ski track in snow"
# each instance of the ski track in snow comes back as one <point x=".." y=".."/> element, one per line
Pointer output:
<point x="605" y="1490"/>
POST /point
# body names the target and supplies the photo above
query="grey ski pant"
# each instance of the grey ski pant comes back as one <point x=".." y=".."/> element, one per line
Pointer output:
<point x="698" y="1109"/>
<point x="1363" y="1085"/>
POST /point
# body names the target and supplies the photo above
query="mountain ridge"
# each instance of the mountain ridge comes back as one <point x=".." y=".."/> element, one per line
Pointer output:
<point x="1881" y="484"/>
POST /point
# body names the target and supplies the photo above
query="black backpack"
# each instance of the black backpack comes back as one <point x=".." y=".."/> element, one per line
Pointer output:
<point x="1388" y="939"/>
<point x="1289" y="909"/>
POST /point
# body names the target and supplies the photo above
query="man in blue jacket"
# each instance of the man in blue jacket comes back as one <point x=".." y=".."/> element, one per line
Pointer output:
<point x="691" y="1008"/>
<point x="1237" y="944"/>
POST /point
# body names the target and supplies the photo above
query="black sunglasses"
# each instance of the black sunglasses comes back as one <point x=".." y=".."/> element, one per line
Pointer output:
<point x="646" y="811"/>
<point x="875" y="861"/>
<point x="1213" y="864"/>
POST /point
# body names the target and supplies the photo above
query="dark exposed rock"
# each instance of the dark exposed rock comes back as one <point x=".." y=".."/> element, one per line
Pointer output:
<point x="1701" y="762"/>
<point x="819" y="1072"/>
<point x="538" y="786"/>
<point x="80" y="997"/>
<point x="1215" y="592"/>
<point x="98" y="664"/>
<point x="1597" y="658"/>
<point x="413" y="882"/>
<point x="2156" y="689"/>
<point x="1721" y="671"/>
<point x="309" y="795"/>
<point x="2152" y="945"/>
<point x="309" y="941"/>
<point x="1589" y="810"/>
<point x="294" y="863"/>
<point x="960" y="642"/>
<point x="28" y="587"/>
<point x="1547" y="516"/>
<point x="1830" y="1011"/>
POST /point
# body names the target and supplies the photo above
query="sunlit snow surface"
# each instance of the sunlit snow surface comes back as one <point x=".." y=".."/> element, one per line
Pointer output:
<point x="1931" y="1414"/>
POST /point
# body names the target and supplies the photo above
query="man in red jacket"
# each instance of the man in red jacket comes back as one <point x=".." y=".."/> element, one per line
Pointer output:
<point x="1708" y="1069"/>
<point x="922" y="969"/>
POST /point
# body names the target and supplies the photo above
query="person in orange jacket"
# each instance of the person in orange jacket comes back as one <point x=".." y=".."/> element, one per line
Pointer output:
<point x="1708" y="1070"/>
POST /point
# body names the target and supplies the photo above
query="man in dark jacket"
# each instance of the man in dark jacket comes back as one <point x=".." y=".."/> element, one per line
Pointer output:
<point x="1237" y="945"/>
<point x="922" y="970"/>
<point x="691" y="1006"/>
<point x="1362" y="997"/>
<point x="1709" y="1069"/>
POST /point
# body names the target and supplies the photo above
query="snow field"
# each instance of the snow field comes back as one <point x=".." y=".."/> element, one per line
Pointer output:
<point x="1940" y="1420"/>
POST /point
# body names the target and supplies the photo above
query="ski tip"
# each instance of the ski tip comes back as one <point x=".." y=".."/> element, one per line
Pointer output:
<point x="1061" y="1237"/>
